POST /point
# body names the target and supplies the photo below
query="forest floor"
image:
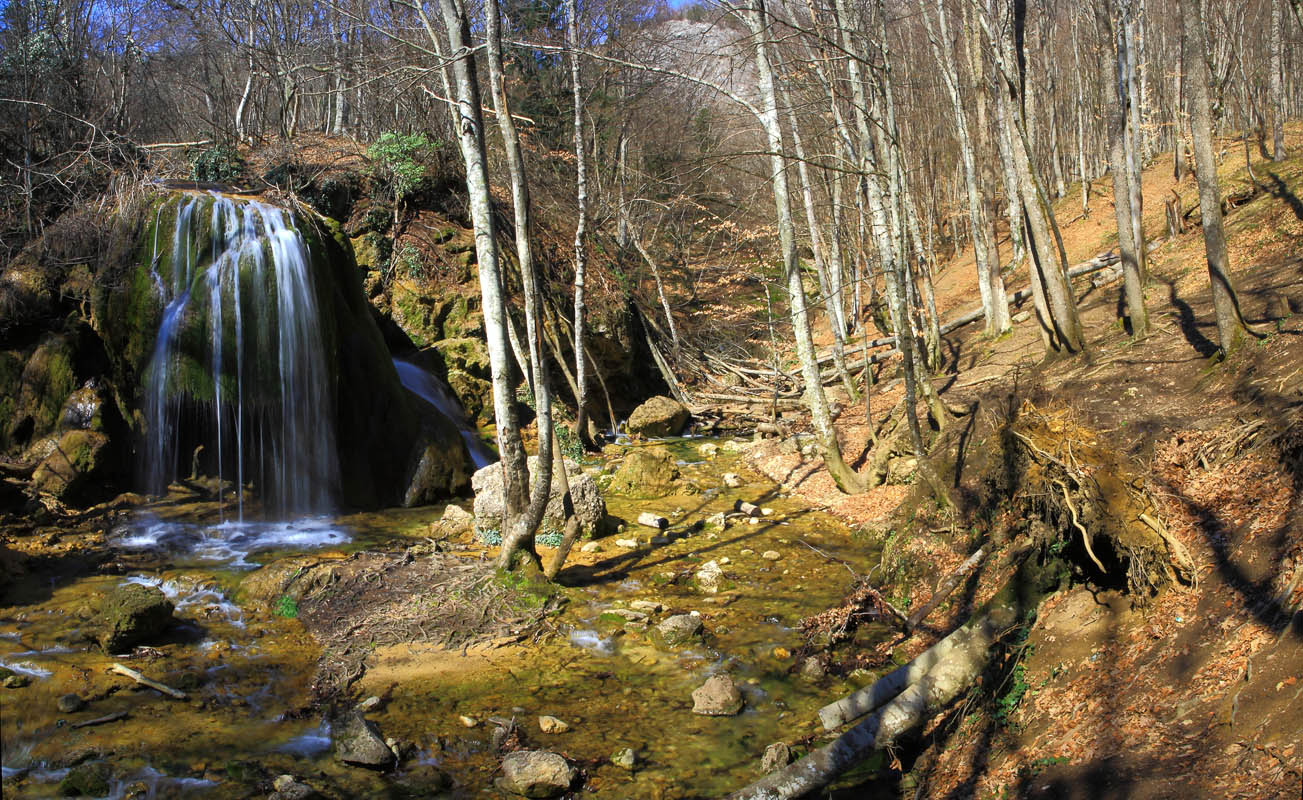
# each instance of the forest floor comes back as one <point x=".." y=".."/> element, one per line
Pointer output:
<point x="1112" y="694"/>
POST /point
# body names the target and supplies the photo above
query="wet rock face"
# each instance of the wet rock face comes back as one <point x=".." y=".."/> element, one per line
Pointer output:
<point x="358" y="742"/>
<point x="646" y="472"/>
<point x="73" y="461"/>
<point x="717" y="697"/>
<point x="659" y="416"/>
<point x="535" y="773"/>
<point x="587" y="498"/>
<point x="132" y="614"/>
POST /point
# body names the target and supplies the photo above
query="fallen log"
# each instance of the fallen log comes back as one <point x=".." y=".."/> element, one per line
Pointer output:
<point x="150" y="682"/>
<point x="749" y="509"/>
<point x="114" y="717"/>
<point x="905" y="709"/>
<point x="944" y="589"/>
<point x="651" y="520"/>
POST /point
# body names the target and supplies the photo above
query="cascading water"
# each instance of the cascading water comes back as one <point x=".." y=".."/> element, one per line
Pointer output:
<point x="429" y="388"/>
<point x="255" y="391"/>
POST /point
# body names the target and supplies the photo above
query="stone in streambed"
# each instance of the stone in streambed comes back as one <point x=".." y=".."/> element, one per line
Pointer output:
<point x="132" y="614"/>
<point x="732" y="480"/>
<point x="646" y="472"/>
<point x="625" y="759"/>
<point x="679" y="629"/>
<point x="777" y="756"/>
<point x="535" y="773"/>
<point x="289" y="787"/>
<point x="70" y="703"/>
<point x="717" y="697"/>
<point x="358" y="742"/>
<point x="550" y="724"/>
<point x="709" y="577"/>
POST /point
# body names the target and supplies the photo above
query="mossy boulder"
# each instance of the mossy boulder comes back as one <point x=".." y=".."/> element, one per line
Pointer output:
<point x="72" y="463"/>
<point x="47" y="378"/>
<point x="474" y="394"/>
<point x="131" y="614"/>
<point x="659" y="416"/>
<point x="86" y="780"/>
<point x="646" y="472"/>
<point x="468" y="355"/>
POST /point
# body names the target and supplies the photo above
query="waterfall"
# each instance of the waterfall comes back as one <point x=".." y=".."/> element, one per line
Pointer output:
<point x="429" y="388"/>
<point x="239" y="364"/>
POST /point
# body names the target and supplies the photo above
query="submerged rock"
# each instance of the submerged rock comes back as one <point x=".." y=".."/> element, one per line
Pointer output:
<point x="358" y="742"/>
<point x="289" y="787"/>
<point x="710" y="577"/>
<point x="659" y="416"/>
<point x="70" y="703"/>
<point x="550" y="724"/>
<point x="679" y="629"/>
<point x="646" y="472"/>
<point x="535" y="773"/>
<point x="131" y="614"/>
<point x="87" y="780"/>
<point x="625" y="759"/>
<point x="587" y="499"/>
<point x="717" y="697"/>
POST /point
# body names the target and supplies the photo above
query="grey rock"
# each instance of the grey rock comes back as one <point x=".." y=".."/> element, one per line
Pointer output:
<point x="358" y="742"/>
<point x="587" y="498"/>
<point x="679" y="629"/>
<point x="628" y="614"/>
<point x="1021" y="316"/>
<point x="70" y="703"/>
<point x="717" y="697"/>
<point x="732" y="480"/>
<point x="813" y="669"/>
<point x="535" y="773"/>
<point x="650" y="606"/>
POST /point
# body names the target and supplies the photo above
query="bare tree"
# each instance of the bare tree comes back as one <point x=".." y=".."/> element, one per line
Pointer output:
<point x="1230" y="325"/>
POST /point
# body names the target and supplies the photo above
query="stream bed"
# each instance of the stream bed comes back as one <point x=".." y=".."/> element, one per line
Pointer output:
<point x="597" y="665"/>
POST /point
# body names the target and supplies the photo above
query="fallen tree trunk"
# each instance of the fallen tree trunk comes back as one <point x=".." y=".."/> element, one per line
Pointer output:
<point x="954" y="668"/>
<point x="651" y="520"/>
<point x="944" y="589"/>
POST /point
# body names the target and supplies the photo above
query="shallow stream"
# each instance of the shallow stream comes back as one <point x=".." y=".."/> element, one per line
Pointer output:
<point x="247" y="672"/>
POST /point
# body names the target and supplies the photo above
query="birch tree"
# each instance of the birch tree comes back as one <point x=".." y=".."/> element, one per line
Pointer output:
<point x="581" y="226"/>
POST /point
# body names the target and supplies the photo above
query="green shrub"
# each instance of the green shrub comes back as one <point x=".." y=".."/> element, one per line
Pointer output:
<point x="286" y="607"/>
<point x="217" y="164"/>
<point x="398" y="161"/>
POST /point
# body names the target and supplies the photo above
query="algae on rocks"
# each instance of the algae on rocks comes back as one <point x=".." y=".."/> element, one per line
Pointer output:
<point x="646" y="472"/>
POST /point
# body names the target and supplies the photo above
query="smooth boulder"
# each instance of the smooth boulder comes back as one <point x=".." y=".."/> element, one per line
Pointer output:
<point x="659" y="416"/>
<point x="132" y="614"/>
<point x="535" y="773"/>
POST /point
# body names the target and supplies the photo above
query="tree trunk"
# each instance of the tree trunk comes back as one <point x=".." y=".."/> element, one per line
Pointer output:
<point x="755" y="16"/>
<point x="1230" y="326"/>
<point x="1276" y="83"/>
<point x="581" y="226"/>
<point x="1129" y="247"/>
<point x="470" y="131"/>
<point x="535" y="368"/>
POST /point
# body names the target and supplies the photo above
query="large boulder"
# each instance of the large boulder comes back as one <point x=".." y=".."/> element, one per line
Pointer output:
<point x="587" y="499"/>
<point x="659" y="416"/>
<point x="358" y="742"/>
<point x="131" y="614"/>
<point x="646" y="472"/>
<point x="536" y="773"/>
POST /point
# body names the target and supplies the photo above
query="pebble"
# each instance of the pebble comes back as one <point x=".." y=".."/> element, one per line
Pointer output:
<point x="724" y="560"/>
<point x="747" y="551"/>
<point x="369" y="703"/>
<point x="768" y="512"/>
<point x="469" y="722"/>
<point x="771" y="555"/>
<point x="591" y="547"/>
<point x="550" y="724"/>
<point x="753" y="521"/>
<point x="650" y="606"/>
<point x="628" y="544"/>
<point x="732" y="480"/>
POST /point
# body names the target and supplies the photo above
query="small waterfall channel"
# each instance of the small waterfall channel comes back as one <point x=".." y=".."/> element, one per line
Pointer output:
<point x="429" y="388"/>
<point x="238" y="366"/>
